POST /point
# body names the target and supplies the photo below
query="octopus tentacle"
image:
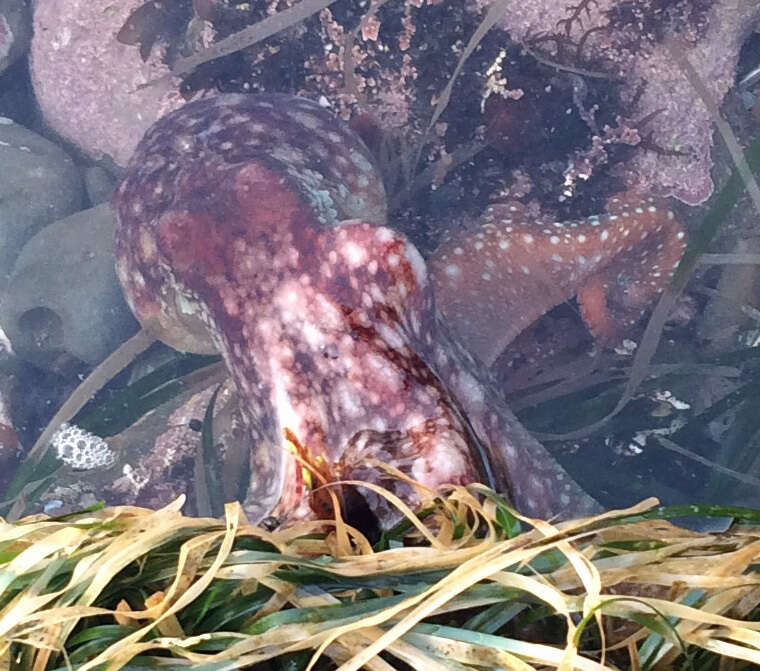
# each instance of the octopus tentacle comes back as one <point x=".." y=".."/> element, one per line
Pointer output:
<point x="492" y="283"/>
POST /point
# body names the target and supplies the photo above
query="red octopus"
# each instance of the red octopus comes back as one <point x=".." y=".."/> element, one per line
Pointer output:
<point x="254" y="226"/>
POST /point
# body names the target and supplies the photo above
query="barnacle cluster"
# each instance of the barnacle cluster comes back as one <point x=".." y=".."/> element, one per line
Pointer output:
<point x="80" y="449"/>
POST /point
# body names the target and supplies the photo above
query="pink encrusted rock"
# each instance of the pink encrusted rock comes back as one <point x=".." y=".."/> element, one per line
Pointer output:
<point x="93" y="90"/>
<point x="680" y="124"/>
<point x="155" y="474"/>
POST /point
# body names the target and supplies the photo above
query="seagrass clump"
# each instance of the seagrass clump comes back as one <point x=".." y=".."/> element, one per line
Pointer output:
<point x="461" y="585"/>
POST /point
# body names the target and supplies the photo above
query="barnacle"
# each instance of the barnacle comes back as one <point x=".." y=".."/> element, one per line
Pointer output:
<point x="80" y="449"/>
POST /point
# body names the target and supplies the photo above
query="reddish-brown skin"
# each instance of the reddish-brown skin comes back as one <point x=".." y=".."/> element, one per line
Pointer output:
<point x="492" y="283"/>
<point x="252" y="225"/>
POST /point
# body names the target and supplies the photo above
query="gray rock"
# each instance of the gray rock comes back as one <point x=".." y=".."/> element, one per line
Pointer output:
<point x="15" y="31"/>
<point x="100" y="184"/>
<point x="63" y="298"/>
<point x="39" y="184"/>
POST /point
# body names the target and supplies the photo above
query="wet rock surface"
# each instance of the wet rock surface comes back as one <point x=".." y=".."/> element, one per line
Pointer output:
<point x="39" y="184"/>
<point x="63" y="300"/>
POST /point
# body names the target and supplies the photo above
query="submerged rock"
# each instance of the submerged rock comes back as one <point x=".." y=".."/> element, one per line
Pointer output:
<point x="63" y="300"/>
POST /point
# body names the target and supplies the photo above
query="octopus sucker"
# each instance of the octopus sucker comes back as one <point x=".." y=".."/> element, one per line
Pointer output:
<point x="274" y="253"/>
<point x="616" y="264"/>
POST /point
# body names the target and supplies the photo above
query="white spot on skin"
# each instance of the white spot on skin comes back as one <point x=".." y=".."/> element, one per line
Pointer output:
<point x="509" y="450"/>
<point x="185" y="305"/>
<point x="350" y="402"/>
<point x="417" y="263"/>
<point x="392" y="338"/>
<point x="121" y="269"/>
<point x="361" y="163"/>
<point x="147" y="245"/>
<point x="354" y="254"/>
<point x="414" y="322"/>
<point x="378" y="424"/>
<point x="469" y="387"/>
<point x="377" y="294"/>
<point x="384" y="234"/>
<point x="183" y="143"/>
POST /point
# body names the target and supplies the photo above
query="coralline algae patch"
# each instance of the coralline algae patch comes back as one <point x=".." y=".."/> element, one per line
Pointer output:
<point x="492" y="283"/>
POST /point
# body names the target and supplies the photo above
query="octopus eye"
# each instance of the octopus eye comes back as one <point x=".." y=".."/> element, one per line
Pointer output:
<point x="195" y="425"/>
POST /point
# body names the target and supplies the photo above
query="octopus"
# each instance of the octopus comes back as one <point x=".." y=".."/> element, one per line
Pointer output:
<point x="256" y="226"/>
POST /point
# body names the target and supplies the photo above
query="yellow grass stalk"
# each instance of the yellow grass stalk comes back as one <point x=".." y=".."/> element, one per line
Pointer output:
<point x="456" y="559"/>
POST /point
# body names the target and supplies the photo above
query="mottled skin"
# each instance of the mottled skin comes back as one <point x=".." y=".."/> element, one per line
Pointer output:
<point x="252" y="225"/>
<point x="492" y="283"/>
